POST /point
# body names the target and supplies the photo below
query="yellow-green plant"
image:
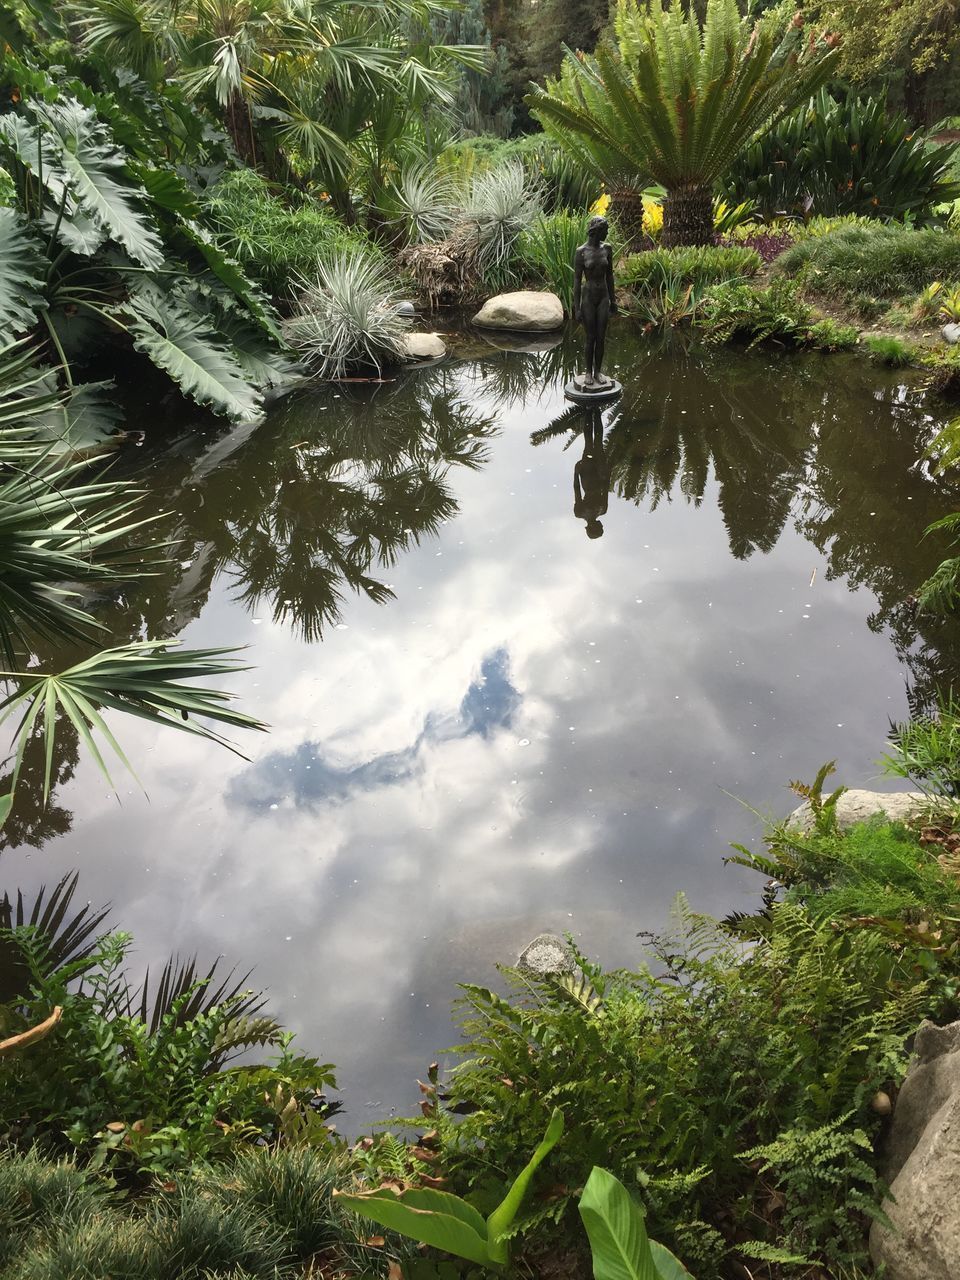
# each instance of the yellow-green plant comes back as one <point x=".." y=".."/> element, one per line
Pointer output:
<point x="950" y="303"/>
<point x="674" y="101"/>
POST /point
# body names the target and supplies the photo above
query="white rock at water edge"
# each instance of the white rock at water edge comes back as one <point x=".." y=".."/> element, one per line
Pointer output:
<point x="951" y="333"/>
<point x="923" y="1165"/>
<point x="546" y="954"/>
<point x="422" y="346"/>
<point x="858" y="806"/>
<point x="524" y="312"/>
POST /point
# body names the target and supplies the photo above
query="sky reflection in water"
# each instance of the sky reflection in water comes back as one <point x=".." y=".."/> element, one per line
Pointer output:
<point x="508" y="726"/>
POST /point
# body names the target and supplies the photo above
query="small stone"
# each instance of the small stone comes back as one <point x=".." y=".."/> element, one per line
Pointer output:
<point x="951" y="333"/>
<point x="406" y="308"/>
<point x="881" y="1104"/>
<point x="546" y="954"/>
<point x="526" y="311"/>
<point x="422" y="346"/>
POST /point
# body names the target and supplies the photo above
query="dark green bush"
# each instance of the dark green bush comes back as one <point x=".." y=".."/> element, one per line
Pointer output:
<point x="735" y="309"/>
<point x="276" y="238"/>
<point x="839" y="157"/>
<point x="292" y="1190"/>
<point x="869" y="263"/>
<point x="696" y="266"/>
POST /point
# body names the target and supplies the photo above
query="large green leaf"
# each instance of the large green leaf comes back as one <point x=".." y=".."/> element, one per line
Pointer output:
<point x="67" y="147"/>
<point x="501" y="1220"/>
<point x="449" y="1223"/>
<point x="232" y="274"/>
<point x="184" y="345"/>
<point x="618" y="1235"/>
<point x="21" y="275"/>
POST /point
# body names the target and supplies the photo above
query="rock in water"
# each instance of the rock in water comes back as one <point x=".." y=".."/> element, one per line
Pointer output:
<point x="423" y="346"/>
<point x="546" y="954"/>
<point x="858" y="806"/>
<point x="923" y="1165"/>
<point x="524" y="312"/>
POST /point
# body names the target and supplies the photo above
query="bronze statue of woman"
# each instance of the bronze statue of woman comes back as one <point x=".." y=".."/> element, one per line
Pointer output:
<point x="594" y="302"/>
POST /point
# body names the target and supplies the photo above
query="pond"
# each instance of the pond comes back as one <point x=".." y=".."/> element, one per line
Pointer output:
<point x="490" y="717"/>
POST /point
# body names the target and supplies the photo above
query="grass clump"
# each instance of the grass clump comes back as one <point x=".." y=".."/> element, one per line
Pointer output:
<point x="891" y="351"/>
<point x="864" y="264"/>
<point x="695" y="266"/>
<point x="547" y="249"/>
<point x="830" y="335"/>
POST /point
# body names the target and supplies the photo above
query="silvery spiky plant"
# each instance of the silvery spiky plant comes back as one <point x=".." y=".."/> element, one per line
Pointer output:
<point x="502" y="203"/>
<point x="348" y="317"/>
<point x="423" y="204"/>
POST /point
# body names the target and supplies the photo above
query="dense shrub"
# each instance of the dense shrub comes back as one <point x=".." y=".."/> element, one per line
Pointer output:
<point x="844" y="156"/>
<point x="862" y="263"/>
<point x="729" y="1086"/>
<point x="277" y="237"/>
<point x="696" y="266"/>
<point x="735" y="309"/>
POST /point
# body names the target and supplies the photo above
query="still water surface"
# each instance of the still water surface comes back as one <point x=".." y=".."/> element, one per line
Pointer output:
<point x="488" y="718"/>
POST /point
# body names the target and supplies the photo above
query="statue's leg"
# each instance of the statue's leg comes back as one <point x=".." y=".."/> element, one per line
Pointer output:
<point x="588" y="311"/>
<point x="602" y="317"/>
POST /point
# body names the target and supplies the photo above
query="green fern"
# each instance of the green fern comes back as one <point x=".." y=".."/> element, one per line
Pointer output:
<point x="581" y="991"/>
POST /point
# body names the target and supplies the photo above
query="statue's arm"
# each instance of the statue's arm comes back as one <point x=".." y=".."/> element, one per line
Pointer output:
<point x="578" y="282"/>
<point x="611" y="288"/>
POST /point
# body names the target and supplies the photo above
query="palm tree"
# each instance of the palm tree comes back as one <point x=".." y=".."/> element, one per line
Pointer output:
<point x="675" y="101"/>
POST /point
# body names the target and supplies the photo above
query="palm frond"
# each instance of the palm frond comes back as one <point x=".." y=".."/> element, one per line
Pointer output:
<point x="69" y="938"/>
<point x="143" y="679"/>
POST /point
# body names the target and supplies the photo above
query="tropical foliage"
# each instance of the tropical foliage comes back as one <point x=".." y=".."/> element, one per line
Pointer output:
<point x="844" y="155"/>
<point x="674" y="102"/>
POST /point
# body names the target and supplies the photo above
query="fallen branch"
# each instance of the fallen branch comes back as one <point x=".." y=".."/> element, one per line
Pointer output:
<point x="33" y="1034"/>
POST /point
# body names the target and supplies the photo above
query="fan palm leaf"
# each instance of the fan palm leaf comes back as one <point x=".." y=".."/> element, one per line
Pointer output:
<point x="143" y="679"/>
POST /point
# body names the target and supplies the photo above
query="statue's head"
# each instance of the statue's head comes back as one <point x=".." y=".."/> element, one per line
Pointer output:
<point x="594" y="529"/>
<point x="598" y="227"/>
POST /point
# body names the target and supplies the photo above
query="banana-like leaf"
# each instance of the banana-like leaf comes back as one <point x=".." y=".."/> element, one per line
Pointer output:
<point x="436" y="1218"/>
<point x="232" y="274"/>
<point x="183" y="343"/>
<point x="21" y="275"/>
<point x="501" y="1220"/>
<point x="618" y="1234"/>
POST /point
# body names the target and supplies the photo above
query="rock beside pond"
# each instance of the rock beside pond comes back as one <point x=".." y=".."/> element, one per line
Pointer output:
<point x="422" y="346"/>
<point x="923" y="1165"/>
<point x="406" y="308"/>
<point x="859" y="806"/>
<point x="523" y="312"/>
<point x="546" y="954"/>
<point x="951" y="333"/>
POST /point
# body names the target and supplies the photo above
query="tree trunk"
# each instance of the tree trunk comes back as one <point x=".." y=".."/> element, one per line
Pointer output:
<point x="239" y="124"/>
<point x="626" y="210"/>
<point x="688" y="217"/>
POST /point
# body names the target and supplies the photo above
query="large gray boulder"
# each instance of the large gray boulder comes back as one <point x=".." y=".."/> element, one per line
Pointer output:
<point x="858" y="806"/>
<point x="923" y="1165"/>
<point x="951" y="333"/>
<point x="523" y="312"/>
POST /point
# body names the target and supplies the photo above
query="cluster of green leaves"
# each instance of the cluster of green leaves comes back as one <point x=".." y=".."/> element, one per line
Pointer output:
<point x="265" y="1215"/>
<point x="565" y="183"/>
<point x="699" y="266"/>
<point x="889" y="350"/>
<point x="729" y="1085"/>
<point x="276" y="235"/>
<point x="134" y="1080"/>
<point x="547" y="249"/>
<point x="844" y="156"/>
<point x="862" y="264"/>
<point x="774" y="313"/>
<point x="102" y="241"/>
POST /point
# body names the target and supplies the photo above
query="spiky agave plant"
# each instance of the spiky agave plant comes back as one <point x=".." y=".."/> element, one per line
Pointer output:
<point x="349" y="316"/>
<point x="674" y="101"/>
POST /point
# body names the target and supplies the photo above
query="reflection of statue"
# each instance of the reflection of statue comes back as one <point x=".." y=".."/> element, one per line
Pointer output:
<point x="591" y="476"/>
<point x="594" y="302"/>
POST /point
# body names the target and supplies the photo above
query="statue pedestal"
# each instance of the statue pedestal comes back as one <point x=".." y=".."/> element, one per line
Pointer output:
<point x="592" y="395"/>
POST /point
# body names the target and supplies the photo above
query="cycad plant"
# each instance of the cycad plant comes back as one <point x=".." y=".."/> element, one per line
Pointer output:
<point x="674" y="101"/>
